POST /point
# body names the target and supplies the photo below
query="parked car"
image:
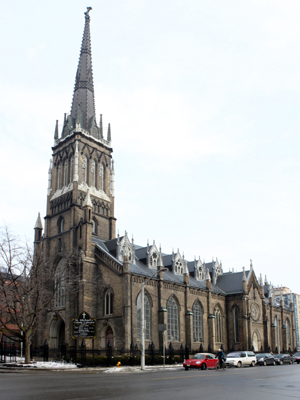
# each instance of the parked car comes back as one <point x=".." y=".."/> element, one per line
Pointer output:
<point x="240" y="358"/>
<point x="296" y="357"/>
<point x="201" y="360"/>
<point x="265" y="359"/>
<point x="283" y="359"/>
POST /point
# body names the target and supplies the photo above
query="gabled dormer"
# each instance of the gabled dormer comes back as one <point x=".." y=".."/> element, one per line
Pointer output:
<point x="153" y="256"/>
<point x="124" y="246"/>
<point x="199" y="270"/>
<point x="179" y="265"/>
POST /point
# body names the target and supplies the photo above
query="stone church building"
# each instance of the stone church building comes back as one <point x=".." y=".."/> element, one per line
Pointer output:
<point x="198" y="302"/>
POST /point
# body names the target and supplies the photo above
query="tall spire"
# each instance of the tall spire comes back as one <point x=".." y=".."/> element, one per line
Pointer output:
<point x="83" y="97"/>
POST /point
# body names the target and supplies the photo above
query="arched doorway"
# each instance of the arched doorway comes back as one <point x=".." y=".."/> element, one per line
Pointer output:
<point x="256" y="341"/>
<point x="57" y="333"/>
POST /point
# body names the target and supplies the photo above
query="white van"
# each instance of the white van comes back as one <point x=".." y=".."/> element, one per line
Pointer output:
<point x="240" y="358"/>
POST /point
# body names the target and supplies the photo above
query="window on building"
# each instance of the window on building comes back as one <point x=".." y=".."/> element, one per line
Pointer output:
<point x="147" y="324"/>
<point x="65" y="173"/>
<point x="58" y="176"/>
<point x="61" y="224"/>
<point x="71" y="169"/>
<point x="173" y="326"/>
<point x="84" y="169"/>
<point x="93" y="173"/>
<point x="153" y="260"/>
<point x="108" y="302"/>
<point x="218" y="325"/>
<point x="60" y="283"/>
<point x="236" y="324"/>
<point x="94" y="226"/>
<point x="197" y="322"/>
<point x="101" y="177"/>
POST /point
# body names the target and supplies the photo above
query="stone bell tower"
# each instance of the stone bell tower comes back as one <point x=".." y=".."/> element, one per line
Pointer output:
<point x="81" y="167"/>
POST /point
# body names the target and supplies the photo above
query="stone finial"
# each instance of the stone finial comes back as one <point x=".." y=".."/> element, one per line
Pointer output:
<point x="251" y="264"/>
<point x="108" y="133"/>
<point x="261" y="283"/>
<point x="38" y="224"/>
<point x="56" y="131"/>
<point x="101" y="128"/>
<point x="207" y="278"/>
<point x="266" y="280"/>
<point x="244" y="275"/>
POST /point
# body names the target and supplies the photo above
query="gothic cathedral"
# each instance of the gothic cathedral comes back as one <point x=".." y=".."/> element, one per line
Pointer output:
<point x="101" y="275"/>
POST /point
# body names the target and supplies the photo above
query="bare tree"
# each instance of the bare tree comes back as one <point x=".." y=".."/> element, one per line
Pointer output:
<point x="27" y="288"/>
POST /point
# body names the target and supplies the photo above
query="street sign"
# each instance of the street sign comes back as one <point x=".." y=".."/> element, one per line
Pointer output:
<point x="84" y="327"/>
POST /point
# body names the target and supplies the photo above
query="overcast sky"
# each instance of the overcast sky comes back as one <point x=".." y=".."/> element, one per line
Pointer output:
<point x="203" y="99"/>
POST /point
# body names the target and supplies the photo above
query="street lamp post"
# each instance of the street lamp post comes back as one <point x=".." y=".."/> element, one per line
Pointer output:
<point x="143" y="317"/>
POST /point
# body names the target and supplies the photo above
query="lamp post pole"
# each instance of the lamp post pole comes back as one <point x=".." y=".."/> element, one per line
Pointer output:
<point x="143" y="317"/>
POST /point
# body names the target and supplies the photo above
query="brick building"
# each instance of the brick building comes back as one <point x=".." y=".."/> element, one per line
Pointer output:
<point x="198" y="302"/>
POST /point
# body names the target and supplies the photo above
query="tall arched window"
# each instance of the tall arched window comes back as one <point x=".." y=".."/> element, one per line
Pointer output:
<point x="84" y="169"/>
<point x="288" y="334"/>
<point x="276" y="324"/>
<point x="71" y="169"/>
<point x="108" y="302"/>
<point x="147" y="324"/>
<point x="65" y="173"/>
<point x="218" y="325"/>
<point x="61" y="224"/>
<point x="60" y="283"/>
<point x="236" y="325"/>
<point x="101" y="177"/>
<point x="93" y="173"/>
<point x="58" y="176"/>
<point x="173" y="326"/>
<point x="197" y="322"/>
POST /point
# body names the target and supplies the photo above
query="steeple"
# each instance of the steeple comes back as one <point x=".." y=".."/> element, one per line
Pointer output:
<point x="83" y="97"/>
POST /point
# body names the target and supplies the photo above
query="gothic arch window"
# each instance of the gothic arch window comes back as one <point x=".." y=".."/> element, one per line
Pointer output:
<point x="153" y="260"/>
<point x="147" y="317"/>
<point x="276" y="325"/>
<point x="94" y="226"/>
<point x="59" y="176"/>
<point x="61" y="224"/>
<point x="236" y="328"/>
<point x="101" y="177"/>
<point x="173" y="325"/>
<point x="60" y="284"/>
<point x="108" y="302"/>
<point x="93" y="173"/>
<point x="218" y="325"/>
<point x="71" y="169"/>
<point x="178" y="267"/>
<point x="84" y="169"/>
<point x="65" y="173"/>
<point x="197" y="322"/>
<point x="288" y="334"/>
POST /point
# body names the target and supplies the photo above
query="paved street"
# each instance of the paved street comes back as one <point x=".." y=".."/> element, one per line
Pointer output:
<point x="273" y="382"/>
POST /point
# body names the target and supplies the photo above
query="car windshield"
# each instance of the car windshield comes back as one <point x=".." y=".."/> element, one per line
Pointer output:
<point x="233" y="355"/>
<point x="297" y="354"/>
<point x="198" y="357"/>
<point x="279" y="355"/>
<point x="261" y="355"/>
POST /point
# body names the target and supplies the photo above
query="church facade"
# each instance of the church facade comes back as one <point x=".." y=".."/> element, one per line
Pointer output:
<point x="199" y="304"/>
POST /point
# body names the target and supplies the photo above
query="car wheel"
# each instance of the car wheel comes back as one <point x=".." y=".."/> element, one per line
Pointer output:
<point x="291" y="362"/>
<point x="273" y="363"/>
<point x="252" y="364"/>
<point x="239" y="364"/>
<point x="186" y="368"/>
<point x="264" y="363"/>
<point x="203" y="366"/>
<point x="280" y="362"/>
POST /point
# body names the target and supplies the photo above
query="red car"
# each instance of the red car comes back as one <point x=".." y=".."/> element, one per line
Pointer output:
<point x="296" y="357"/>
<point x="201" y="360"/>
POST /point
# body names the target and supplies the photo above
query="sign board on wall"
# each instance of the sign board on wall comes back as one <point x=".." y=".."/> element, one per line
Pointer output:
<point x="84" y="327"/>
